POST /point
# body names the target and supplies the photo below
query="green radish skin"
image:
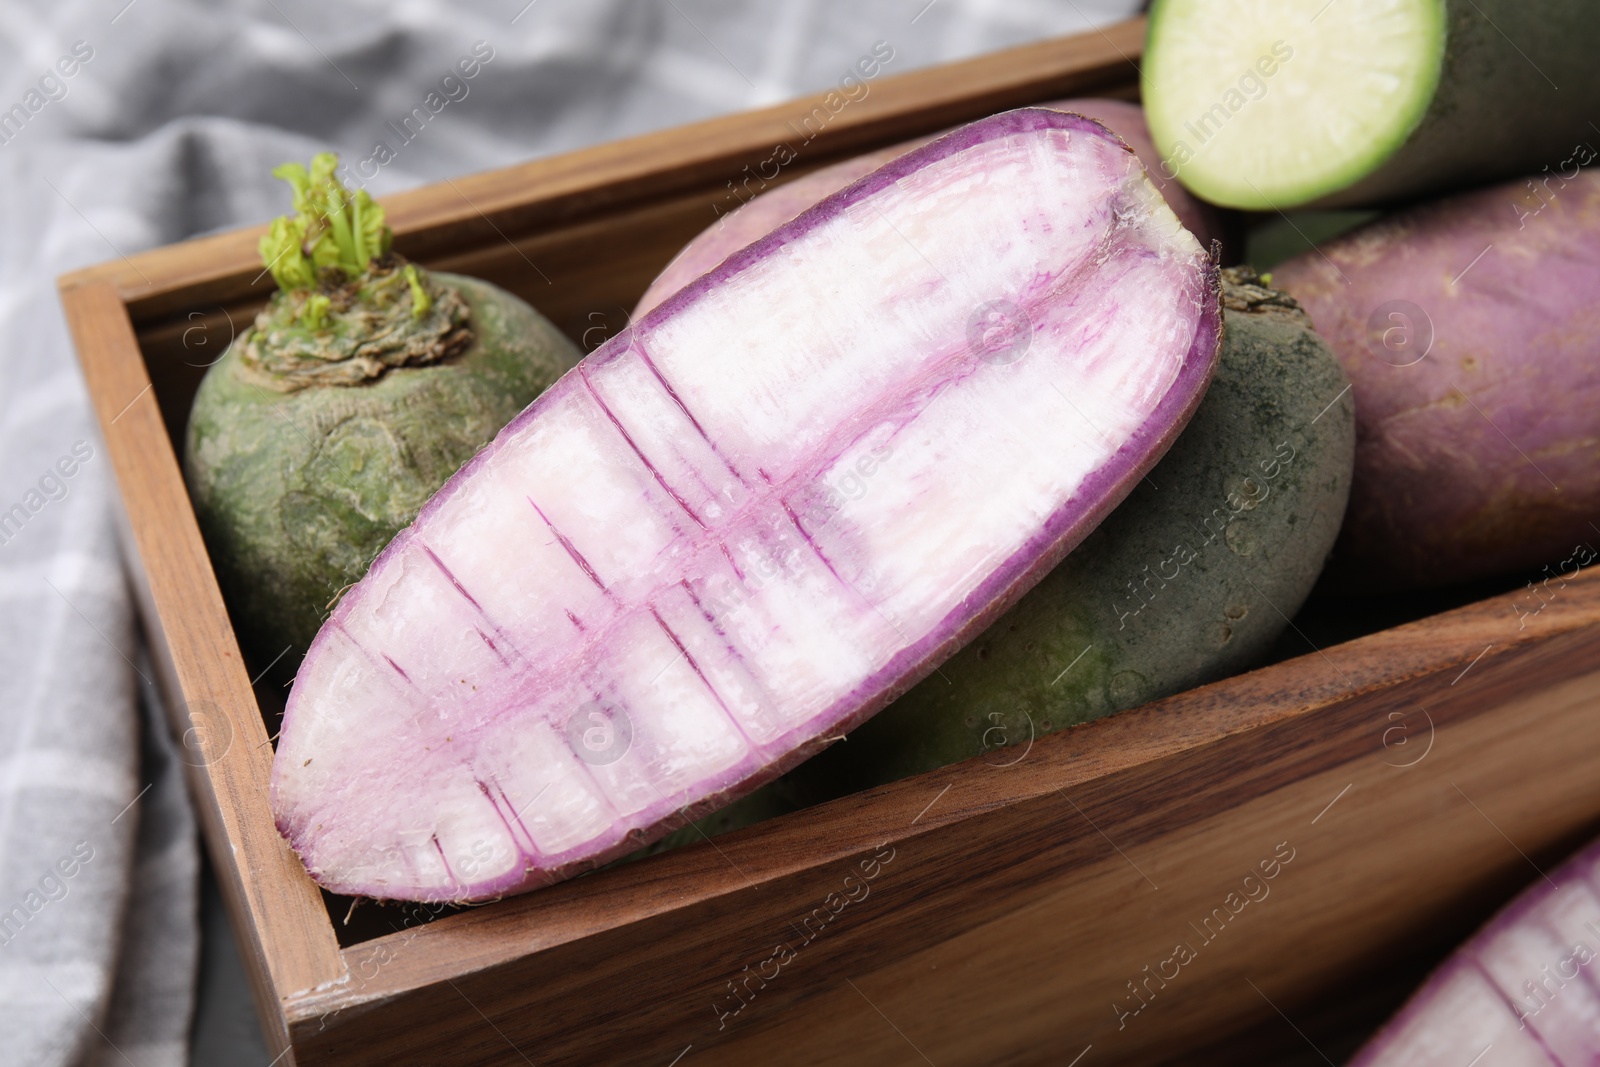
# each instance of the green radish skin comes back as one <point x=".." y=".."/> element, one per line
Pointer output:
<point x="1365" y="102"/>
<point x="297" y="491"/>
<point x="1191" y="579"/>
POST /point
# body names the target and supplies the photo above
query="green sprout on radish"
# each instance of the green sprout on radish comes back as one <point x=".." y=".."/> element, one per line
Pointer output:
<point x="332" y="229"/>
<point x="334" y="251"/>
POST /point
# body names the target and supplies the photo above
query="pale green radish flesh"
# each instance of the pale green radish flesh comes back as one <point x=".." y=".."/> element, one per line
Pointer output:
<point x="1349" y="81"/>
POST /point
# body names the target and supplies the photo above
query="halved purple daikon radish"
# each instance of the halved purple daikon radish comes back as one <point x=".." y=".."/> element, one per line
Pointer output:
<point x="650" y="593"/>
<point x="1523" y="992"/>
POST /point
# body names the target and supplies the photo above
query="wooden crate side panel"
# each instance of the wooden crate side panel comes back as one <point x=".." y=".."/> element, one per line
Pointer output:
<point x="194" y="745"/>
<point x="1101" y="964"/>
<point x="570" y="989"/>
<point x="1374" y="669"/>
<point x="287" y="926"/>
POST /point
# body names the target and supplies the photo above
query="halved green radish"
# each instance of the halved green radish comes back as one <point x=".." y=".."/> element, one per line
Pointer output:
<point x="1265" y="105"/>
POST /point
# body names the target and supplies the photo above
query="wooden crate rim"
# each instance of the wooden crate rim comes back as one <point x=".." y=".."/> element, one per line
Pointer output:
<point x="1195" y="720"/>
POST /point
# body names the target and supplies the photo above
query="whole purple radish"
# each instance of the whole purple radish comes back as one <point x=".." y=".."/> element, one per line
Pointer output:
<point x="1467" y="329"/>
<point x="1523" y="992"/>
<point x="766" y="212"/>
<point x="647" y="596"/>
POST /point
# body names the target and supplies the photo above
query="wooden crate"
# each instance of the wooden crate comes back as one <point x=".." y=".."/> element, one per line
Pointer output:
<point x="1012" y="915"/>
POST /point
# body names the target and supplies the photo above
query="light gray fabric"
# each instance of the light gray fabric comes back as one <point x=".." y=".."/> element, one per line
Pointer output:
<point x="172" y="116"/>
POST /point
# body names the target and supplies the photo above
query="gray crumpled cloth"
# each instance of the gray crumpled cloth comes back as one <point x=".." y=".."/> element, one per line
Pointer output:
<point x="127" y="125"/>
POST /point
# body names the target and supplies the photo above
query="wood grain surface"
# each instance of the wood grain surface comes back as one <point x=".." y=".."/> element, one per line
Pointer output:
<point x="1021" y="901"/>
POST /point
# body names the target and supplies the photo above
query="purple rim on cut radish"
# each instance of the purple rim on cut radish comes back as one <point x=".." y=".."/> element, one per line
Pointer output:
<point x="1523" y="991"/>
<point x="743" y="526"/>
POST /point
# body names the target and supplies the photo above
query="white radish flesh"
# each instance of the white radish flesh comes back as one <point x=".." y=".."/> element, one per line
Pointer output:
<point x="1523" y="991"/>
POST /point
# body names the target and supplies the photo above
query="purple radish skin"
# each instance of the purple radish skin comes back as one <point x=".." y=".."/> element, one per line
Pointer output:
<point x="646" y="597"/>
<point x="766" y="212"/>
<point x="1466" y="327"/>
<point x="1523" y="992"/>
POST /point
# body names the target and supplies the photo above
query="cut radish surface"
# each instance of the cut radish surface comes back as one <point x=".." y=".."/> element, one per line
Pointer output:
<point x="764" y="213"/>
<point x="1523" y="991"/>
<point x="1264" y="105"/>
<point x="744" y="525"/>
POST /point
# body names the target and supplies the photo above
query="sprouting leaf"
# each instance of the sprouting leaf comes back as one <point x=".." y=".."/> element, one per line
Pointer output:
<point x="421" y="302"/>
<point x="282" y="254"/>
<point x="325" y="252"/>
<point x="323" y="165"/>
<point x="375" y="236"/>
<point x="300" y="182"/>
<point x="315" y="312"/>
<point x="338" y="219"/>
<point x="330" y="228"/>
